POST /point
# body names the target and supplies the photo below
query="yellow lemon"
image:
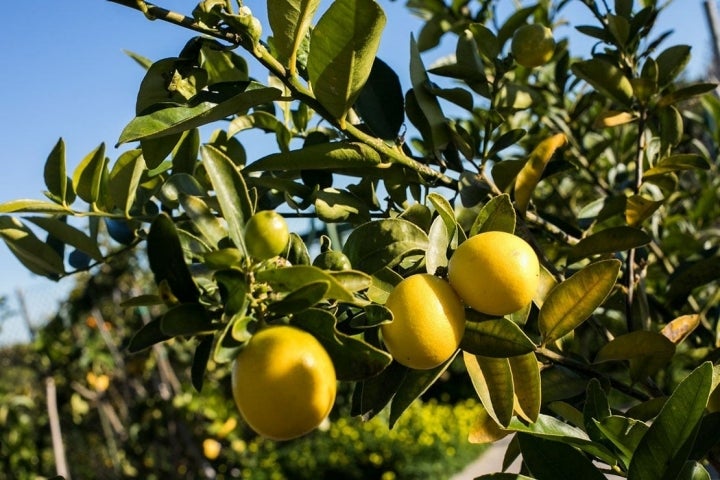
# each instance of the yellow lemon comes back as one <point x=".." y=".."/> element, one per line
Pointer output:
<point x="494" y="272"/>
<point x="532" y="45"/>
<point x="428" y="322"/>
<point x="283" y="382"/>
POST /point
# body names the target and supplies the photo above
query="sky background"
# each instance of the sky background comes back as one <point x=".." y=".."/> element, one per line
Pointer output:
<point x="64" y="74"/>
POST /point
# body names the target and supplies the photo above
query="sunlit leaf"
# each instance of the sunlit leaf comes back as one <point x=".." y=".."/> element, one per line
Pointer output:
<point x="638" y="209"/>
<point x="484" y="429"/>
<point x="55" y="173"/>
<point x="496" y="215"/>
<point x="552" y="460"/>
<point x="69" y="235"/>
<point x="681" y="161"/>
<point x="498" y="337"/>
<point x="526" y="384"/>
<point x="36" y="255"/>
<point x="530" y="174"/>
<point x="678" y="329"/>
<point x="605" y="78"/>
<point x="647" y="351"/>
<point x="609" y="240"/>
<point x="125" y="178"/>
<point x="625" y="434"/>
<point x="289" y="279"/>
<point x="384" y="243"/>
<point x="493" y="382"/>
<point x="88" y="175"/>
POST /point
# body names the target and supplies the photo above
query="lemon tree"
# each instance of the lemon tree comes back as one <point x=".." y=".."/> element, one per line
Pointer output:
<point x="283" y="382"/>
<point x="555" y="227"/>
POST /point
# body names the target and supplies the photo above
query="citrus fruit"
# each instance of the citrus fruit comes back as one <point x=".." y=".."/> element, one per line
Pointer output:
<point x="266" y="235"/>
<point x="494" y="272"/>
<point x="532" y="45"/>
<point x="283" y="382"/>
<point x="211" y="448"/>
<point x="428" y="322"/>
<point x="332" y="260"/>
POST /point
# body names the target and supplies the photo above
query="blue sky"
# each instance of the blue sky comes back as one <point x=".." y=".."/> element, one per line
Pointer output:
<point x="65" y="75"/>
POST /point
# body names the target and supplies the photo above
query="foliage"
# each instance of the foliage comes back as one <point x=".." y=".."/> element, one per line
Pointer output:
<point x="606" y="165"/>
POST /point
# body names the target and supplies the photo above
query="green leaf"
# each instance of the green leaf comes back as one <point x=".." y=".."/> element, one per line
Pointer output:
<point x="414" y="384"/>
<point x="125" y="179"/>
<point x="690" y="276"/>
<point x="493" y="382"/>
<point x="289" y="279"/>
<point x="155" y="150"/>
<point x="503" y="476"/>
<point x="439" y="240"/>
<point x="69" y="235"/>
<point x="334" y="155"/>
<point x="506" y="140"/>
<point x="87" y="176"/>
<point x="671" y="62"/>
<point x="648" y="352"/>
<point x="343" y="45"/>
<point x="572" y="301"/>
<point x="234" y="289"/>
<point x="526" y="384"/>
<point x="290" y="22"/>
<point x="204" y="220"/>
<point x="496" y="215"/>
<point x="596" y="408"/>
<point x="693" y="471"/>
<point x="354" y="359"/>
<point x="550" y="460"/>
<point x="186" y="319"/>
<point x="428" y="103"/>
<point x="384" y="243"/>
<point x="352" y="280"/>
<point x="663" y="450"/>
<point x="373" y="394"/>
<point x="185" y="154"/>
<point x="179" y="119"/>
<point x="638" y="209"/>
<point x="686" y="93"/>
<point x="383" y="282"/>
<point x="300" y="299"/>
<point x="167" y="261"/>
<point x="333" y="205"/>
<point x="231" y="193"/>
<point x="609" y="240"/>
<point x="605" y="78"/>
<point x="200" y="361"/>
<point x="381" y="103"/>
<point x="55" y="173"/>
<point x="624" y="433"/>
<point x="32" y="206"/>
<point x="36" y="255"/>
<point x="148" y="335"/>
<point x="681" y="161"/>
<point x="498" y="337"/>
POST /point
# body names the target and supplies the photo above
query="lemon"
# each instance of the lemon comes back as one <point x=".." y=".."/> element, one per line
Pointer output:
<point x="333" y="261"/>
<point x="211" y="448"/>
<point x="532" y="45"/>
<point x="266" y="235"/>
<point x="283" y="382"/>
<point x="494" y="272"/>
<point x="428" y="322"/>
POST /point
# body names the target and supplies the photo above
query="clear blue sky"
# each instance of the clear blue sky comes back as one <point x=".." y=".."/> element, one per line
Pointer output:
<point x="65" y="75"/>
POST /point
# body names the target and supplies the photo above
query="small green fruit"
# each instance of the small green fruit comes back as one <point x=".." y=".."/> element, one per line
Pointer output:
<point x="266" y="235"/>
<point x="532" y="45"/>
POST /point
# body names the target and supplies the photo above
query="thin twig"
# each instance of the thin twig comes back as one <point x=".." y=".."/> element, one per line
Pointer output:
<point x="61" y="466"/>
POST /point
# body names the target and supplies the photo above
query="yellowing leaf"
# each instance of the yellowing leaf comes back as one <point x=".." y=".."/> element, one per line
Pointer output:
<point x="678" y="330"/>
<point x="492" y="379"/>
<point x="638" y="209"/>
<point x="613" y="118"/>
<point x="571" y="302"/>
<point x="526" y="384"/>
<point x="530" y="174"/>
<point x="485" y="429"/>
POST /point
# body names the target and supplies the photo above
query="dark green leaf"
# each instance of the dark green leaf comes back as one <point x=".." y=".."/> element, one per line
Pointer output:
<point x="186" y="319"/>
<point x="88" y="175"/>
<point x="373" y="394"/>
<point x="609" y="240"/>
<point x="333" y="205"/>
<point x="300" y="299"/>
<point x="671" y="62"/>
<point x="69" y="235"/>
<point x="686" y="93"/>
<point x="674" y="163"/>
<point x="605" y="78"/>
<point x="381" y="103"/>
<point x="648" y="352"/>
<point x="662" y="452"/>
<point x="204" y="220"/>
<point x="200" y="361"/>
<point x="55" y="174"/>
<point x="167" y="261"/>
<point x="549" y="460"/>
<point x="596" y="408"/>
<point x="334" y="155"/>
<point x="625" y="433"/>
<point x="690" y="276"/>
<point x="148" y="335"/>
<point x="289" y="279"/>
<point x="36" y="255"/>
<point x="498" y="337"/>
<point x="430" y="112"/>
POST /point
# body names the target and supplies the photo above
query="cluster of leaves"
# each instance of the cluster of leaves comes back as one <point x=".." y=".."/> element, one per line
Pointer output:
<point x="592" y="161"/>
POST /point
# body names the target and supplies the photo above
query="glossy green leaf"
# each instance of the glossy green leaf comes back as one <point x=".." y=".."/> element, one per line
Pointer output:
<point x="383" y="282"/>
<point x="686" y="93"/>
<point x="334" y="155"/>
<point x="352" y="280"/>
<point x="373" y="394"/>
<point x="36" y="255"/>
<point x="414" y="384"/>
<point x="526" y="384"/>
<point x="167" y="261"/>
<point x="498" y="337"/>
<point x="186" y="319"/>
<point x="693" y="471"/>
<point x="493" y="382"/>
<point x="648" y="352"/>
<point x="671" y="62"/>
<point x="609" y="240"/>
<point x="445" y="210"/>
<point x="231" y="193"/>
<point x="638" y="209"/>
<point x="203" y="350"/>
<point x="384" y="243"/>
<point x="125" y="178"/>
<point x="681" y="161"/>
<point x="290" y="22"/>
<point x="69" y="235"/>
<point x="551" y="460"/>
<point x="353" y="358"/>
<point x="496" y="215"/>
<point x="148" y="335"/>
<point x="571" y="302"/>
<point x="300" y="299"/>
<point x="663" y="450"/>
<point x="429" y="106"/>
<point x="381" y="103"/>
<point x="289" y="279"/>
<point x="179" y="119"/>
<point x="88" y="175"/>
<point x="605" y="78"/>
<point x="55" y="173"/>
<point x="204" y="220"/>
<point x="234" y="290"/>
<point x="333" y="205"/>
<point x="624" y="433"/>
<point x="343" y="45"/>
<point x="551" y="428"/>
<point x="32" y="206"/>
<point x="297" y="253"/>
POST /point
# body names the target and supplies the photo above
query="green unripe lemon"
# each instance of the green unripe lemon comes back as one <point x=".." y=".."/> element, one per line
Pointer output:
<point x="428" y="322"/>
<point x="332" y="260"/>
<point x="266" y="235"/>
<point x="532" y="45"/>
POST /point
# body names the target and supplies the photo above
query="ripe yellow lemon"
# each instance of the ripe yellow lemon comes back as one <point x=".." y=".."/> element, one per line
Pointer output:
<point x="283" y="382"/>
<point x="428" y="322"/>
<point x="494" y="272"/>
<point x="266" y="235"/>
<point x="532" y="45"/>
